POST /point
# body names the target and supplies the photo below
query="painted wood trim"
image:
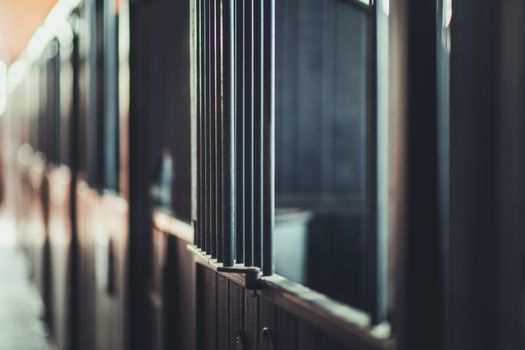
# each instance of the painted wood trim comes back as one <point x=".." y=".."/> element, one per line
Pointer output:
<point x="173" y="226"/>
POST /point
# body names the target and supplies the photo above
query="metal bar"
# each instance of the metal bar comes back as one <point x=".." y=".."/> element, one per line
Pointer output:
<point x="218" y="130"/>
<point x="377" y="164"/>
<point x="198" y="229"/>
<point x="240" y="115"/>
<point x="203" y="144"/>
<point x="257" y="136"/>
<point x="248" y="131"/>
<point x="213" y="155"/>
<point x="111" y="109"/>
<point x="268" y="119"/>
<point x="202" y="128"/>
<point x="228" y="133"/>
<point x="443" y="158"/>
<point x="207" y="125"/>
<point x="55" y="62"/>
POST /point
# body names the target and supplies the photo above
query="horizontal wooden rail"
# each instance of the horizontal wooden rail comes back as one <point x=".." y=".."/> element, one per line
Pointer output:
<point x="166" y="223"/>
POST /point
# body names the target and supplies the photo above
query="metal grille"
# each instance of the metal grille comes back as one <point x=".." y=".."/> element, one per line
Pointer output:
<point x="235" y="137"/>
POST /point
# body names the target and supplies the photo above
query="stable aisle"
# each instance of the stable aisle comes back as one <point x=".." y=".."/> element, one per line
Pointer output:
<point x="21" y="327"/>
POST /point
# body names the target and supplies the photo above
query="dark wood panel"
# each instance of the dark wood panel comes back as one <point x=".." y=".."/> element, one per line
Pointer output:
<point x="309" y="100"/>
<point x="322" y="95"/>
<point x="267" y="323"/>
<point x="226" y="310"/>
<point x="156" y="295"/>
<point x="206" y="308"/>
<point x="236" y="325"/>
<point x="200" y="307"/>
<point x="223" y="317"/>
<point x="308" y="337"/>
<point x="285" y="330"/>
<point x="286" y="106"/>
<point x="180" y="296"/>
<point x="251" y="319"/>
<point x="332" y="344"/>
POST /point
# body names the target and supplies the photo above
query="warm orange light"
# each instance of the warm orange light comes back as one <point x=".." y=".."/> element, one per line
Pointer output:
<point x="18" y="21"/>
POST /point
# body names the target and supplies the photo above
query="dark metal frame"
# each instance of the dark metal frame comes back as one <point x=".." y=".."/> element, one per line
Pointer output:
<point x="111" y="113"/>
<point x="421" y="306"/>
<point x="95" y="105"/>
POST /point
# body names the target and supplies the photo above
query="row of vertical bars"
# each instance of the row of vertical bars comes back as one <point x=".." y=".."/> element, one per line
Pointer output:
<point x="235" y="131"/>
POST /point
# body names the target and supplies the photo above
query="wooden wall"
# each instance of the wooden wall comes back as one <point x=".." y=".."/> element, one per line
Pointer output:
<point x="231" y="316"/>
<point x="209" y="310"/>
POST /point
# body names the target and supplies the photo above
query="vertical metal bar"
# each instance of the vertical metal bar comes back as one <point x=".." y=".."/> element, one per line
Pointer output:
<point x="202" y="127"/>
<point x="248" y="131"/>
<point x="257" y="136"/>
<point x="111" y="108"/>
<point x="203" y="143"/>
<point x="377" y="169"/>
<point x="197" y="233"/>
<point x="55" y="69"/>
<point x="207" y="125"/>
<point x="213" y="107"/>
<point x="218" y="129"/>
<point x="443" y="157"/>
<point x="228" y="133"/>
<point x="239" y="125"/>
<point x="268" y="118"/>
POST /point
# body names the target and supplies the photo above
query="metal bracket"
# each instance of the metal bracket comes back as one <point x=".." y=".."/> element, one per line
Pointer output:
<point x="247" y="276"/>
